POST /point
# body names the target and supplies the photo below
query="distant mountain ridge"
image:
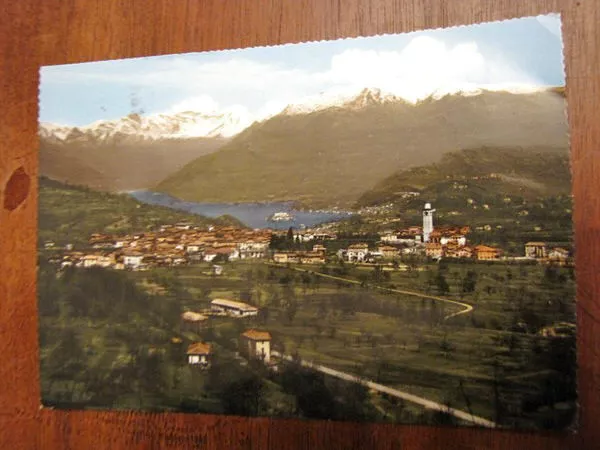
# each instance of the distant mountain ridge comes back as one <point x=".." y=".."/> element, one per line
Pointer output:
<point x="133" y="152"/>
<point x="480" y="173"/>
<point x="331" y="156"/>
<point x="119" y="166"/>
<point x="136" y="127"/>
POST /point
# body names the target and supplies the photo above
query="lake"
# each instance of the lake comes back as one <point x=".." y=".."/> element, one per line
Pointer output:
<point x="254" y="215"/>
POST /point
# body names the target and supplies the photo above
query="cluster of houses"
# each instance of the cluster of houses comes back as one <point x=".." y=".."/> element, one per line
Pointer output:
<point x="252" y="345"/>
<point x="316" y="256"/>
<point x="182" y="244"/>
<point x="171" y="245"/>
<point x="444" y="242"/>
<point x="544" y="253"/>
<point x="362" y="253"/>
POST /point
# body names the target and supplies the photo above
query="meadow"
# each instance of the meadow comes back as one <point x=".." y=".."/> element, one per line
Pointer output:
<point x="493" y="361"/>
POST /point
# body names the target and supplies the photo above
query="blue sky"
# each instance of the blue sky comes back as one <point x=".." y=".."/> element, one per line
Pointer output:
<point x="259" y="81"/>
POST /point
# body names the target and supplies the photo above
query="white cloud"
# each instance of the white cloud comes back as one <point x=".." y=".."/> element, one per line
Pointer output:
<point x="199" y="103"/>
<point x="422" y="68"/>
<point x="425" y="66"/>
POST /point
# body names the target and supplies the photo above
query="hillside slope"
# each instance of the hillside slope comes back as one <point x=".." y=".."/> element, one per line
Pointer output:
<point x="70" y="214"/>
<point x="119" y="164"/>
<point x="332" y="156"/>
<point x="480" y="173"/>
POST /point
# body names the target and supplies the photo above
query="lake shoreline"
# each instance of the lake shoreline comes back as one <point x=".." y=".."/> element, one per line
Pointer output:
<point x="252" y="214"/>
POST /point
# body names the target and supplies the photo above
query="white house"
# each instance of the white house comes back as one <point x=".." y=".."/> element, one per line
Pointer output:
<point x="209" y="255"/>
<point x="198" y="354"/>
<point x="193" y="248"/>
<point x="253" y="249"/>
<point x="97" y="261"/>
<point x="457" y="239"/>
<point x="357" y="252"/>
<point x="256" y="344"/>
<point x="132" y="261"/>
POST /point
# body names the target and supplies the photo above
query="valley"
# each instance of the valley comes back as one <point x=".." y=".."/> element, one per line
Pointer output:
<point x="332" y="261"/>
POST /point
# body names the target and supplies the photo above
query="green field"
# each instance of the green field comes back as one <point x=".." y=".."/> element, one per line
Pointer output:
<point x="492" y="361"/>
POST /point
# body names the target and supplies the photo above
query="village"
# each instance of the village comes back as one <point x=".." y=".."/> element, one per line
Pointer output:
<point x="321" y="301"/>
<point x="184" y="245"/>
<point x="181" y="245"/>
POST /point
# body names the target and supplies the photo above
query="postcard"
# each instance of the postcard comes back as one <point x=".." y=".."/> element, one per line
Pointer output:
<point x="375" y="229"/>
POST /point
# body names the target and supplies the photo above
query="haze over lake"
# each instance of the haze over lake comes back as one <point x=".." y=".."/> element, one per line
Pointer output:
<point x="254" y="215"/>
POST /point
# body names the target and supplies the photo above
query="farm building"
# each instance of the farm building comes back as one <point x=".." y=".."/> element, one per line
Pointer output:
<point x="192" y="321"/>
<point x="233" y="308"/>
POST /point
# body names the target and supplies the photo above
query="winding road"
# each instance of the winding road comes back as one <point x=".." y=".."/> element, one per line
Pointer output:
<point x="462" y="415"/>
<point x="466" y="307"/>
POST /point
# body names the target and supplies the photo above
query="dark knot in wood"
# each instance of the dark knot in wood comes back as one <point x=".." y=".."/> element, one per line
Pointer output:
<point x="16" y="189"/>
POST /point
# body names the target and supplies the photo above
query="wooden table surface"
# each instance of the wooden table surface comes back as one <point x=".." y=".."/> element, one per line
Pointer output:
<point x="42" y="32"/>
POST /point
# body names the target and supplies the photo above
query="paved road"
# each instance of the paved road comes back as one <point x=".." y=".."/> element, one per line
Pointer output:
<point x="466" y="307"/>
<point x="393" y="392"/>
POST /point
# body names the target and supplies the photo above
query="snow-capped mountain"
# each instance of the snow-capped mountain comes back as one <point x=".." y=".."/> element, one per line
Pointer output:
<point x="182" y="125"/>
<point x="230" y="122"/>
<point x="345" y="98"/>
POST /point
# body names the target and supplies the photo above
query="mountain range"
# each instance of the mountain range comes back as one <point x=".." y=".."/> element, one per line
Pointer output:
<point x="332" y="156"/>
<point x="328" y="151"/>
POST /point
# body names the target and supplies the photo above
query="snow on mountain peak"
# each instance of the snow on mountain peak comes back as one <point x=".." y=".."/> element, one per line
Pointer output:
<point x="210" y="122"/>
<point x="181" y="125"/>
<point x="353" y="98"/>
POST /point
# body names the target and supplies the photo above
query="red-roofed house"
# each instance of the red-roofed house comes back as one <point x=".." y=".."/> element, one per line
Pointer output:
<point x="256" y="344"/>
<point x="485" y="253"/>
<point x="199" y="353"/>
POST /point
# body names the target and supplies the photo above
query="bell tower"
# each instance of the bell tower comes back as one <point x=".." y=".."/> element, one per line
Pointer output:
<point x="427" y="221"/>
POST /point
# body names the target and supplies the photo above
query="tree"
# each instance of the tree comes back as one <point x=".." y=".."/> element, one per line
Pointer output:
<point x="469" y="282"/>
<point x="152" y="376"/>
<point x="313" y="397"/>
<point x="244" y="396"/>
<point x="66" y="362"/>
<point x="263" y="315"/>
<point x="442" y="284"/>
<point x="290" y="310"/>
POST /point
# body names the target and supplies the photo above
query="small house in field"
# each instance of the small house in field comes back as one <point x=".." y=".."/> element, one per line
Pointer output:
<point x="536" y="250"/>
<point x="312" y="258"/>
<point x="485" y="253"/>
<point x="558" y="256"/>
<point x="256" y="344"/>
<point x="198" y="354"/>
<point x="357" y="252"/>
<point x="192" y="321"/>
<point x="281" y="257"/>
<point x="232" y="308"/>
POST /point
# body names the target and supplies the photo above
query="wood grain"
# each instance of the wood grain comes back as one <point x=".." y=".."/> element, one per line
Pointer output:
<point x="35" y="32"/>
